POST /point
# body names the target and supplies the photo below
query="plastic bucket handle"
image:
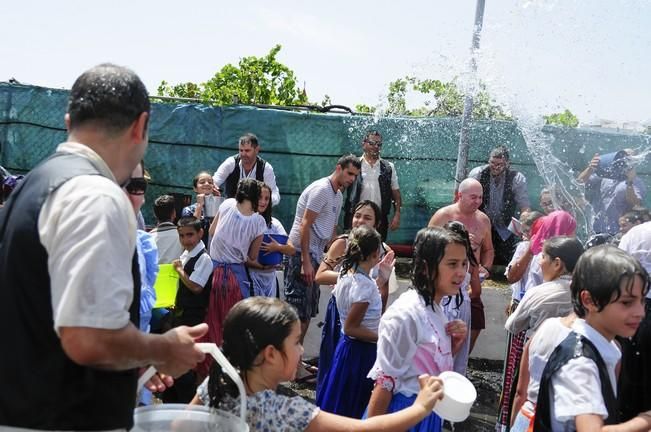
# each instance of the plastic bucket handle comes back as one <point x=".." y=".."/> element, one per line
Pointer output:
<point x="214" y="351"/>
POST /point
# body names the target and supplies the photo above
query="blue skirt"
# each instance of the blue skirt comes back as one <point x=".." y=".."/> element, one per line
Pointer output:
<point x="330" y="335"/>
<point x="346" y="390"/>
<point x="431" y="423"/>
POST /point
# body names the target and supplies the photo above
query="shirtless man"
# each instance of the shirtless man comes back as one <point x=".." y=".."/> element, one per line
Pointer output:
<point x="466" y="211"/>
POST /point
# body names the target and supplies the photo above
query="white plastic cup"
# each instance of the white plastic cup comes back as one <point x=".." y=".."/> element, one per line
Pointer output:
<point x="459" y="394"/>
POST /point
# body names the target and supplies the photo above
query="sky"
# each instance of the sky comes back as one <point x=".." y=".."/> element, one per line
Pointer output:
<point x="536" y="56"/>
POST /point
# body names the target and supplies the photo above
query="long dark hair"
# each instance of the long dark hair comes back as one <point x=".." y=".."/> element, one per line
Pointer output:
<point x="460" y="228"/>
<point x="248" y="189"/>
<point x="429" y="250"/>
<point x="267" y="213"/>
<point x="362" y="242"/>
<point x="250" y="326"/>
<point x="567" y="249"/>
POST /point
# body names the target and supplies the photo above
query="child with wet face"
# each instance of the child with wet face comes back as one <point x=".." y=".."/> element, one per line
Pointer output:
<point x="415" y="336"/>
<point x="262" y="340"/>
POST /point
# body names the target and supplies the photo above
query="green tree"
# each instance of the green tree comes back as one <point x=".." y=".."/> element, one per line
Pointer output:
<point x="565" y="118"/>
<point x="363" y="108"/>
<point x="255" y="80"/>
<point x="447" y="99"/>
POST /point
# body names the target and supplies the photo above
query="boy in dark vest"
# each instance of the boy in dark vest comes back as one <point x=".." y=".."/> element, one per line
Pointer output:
<point x="195" y="277"/>
<point x="578" y="384"/>
<point x="246" y="164"/>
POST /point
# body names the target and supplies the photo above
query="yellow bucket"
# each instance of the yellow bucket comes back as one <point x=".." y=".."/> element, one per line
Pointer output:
<point x="166" y="286"/>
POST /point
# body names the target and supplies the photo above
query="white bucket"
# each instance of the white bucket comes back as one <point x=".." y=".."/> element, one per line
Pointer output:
<point x="186" y="418"/>
<point x="179" y="417"/>
<point x="458" y="396"/>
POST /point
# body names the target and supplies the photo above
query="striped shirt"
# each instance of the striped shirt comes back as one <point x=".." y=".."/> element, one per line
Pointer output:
<point x="320" y="197"/>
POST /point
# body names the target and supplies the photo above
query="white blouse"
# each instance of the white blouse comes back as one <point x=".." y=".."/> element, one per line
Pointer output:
<point x="358" y="288"/>
<point x="412" y="340"/>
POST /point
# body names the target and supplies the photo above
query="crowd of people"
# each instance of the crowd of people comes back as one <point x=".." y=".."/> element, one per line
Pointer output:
<point x="77" y="276"/>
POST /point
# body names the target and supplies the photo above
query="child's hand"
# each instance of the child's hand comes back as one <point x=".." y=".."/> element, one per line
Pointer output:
<point x="431" y="391"/>
<point x="272" y="246"/>
<point x="385" y="267"/>
<point x="458" y="331"/>
<point x="178" y="266"/>
<point x="201" y="199"/>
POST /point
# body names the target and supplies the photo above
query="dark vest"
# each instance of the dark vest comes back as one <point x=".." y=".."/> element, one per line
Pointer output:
<point x="573" y="346"/>
<point x="355" y="191"/>
<point x="190" y="308"/>
<point x="41" y="387"/>
<point x="508" y="197"/>
<point x="230" y="185"/>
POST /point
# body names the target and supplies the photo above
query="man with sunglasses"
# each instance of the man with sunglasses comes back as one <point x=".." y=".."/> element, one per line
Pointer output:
<point x="378" y="182"/>
<point x="69" y="276"/>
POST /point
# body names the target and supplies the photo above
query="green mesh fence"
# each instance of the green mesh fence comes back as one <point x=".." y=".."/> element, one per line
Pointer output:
<point x="301" y="146"/>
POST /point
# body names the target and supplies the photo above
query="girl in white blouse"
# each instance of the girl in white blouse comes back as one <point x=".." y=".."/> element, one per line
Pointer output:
<point x="414" y="336"/>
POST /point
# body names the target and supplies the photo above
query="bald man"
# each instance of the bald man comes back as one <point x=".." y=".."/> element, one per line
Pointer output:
<point x="466" y="210"/>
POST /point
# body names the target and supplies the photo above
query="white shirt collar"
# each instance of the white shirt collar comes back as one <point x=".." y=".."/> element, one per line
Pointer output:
<point x="197" y="249"/>
<point x="88" y="153"/>
<point x="608" y="349"/>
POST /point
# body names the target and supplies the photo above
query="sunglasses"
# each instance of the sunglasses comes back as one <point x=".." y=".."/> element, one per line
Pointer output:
<point x="374" y="143"/>
<point x="136" y="186"/>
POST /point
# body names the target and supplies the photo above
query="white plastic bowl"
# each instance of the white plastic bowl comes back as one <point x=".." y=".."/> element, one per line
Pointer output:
<point x="458" y="396"/>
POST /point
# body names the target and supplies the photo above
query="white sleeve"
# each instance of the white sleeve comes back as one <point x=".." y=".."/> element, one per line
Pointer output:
<point x="224" y="170"/>
<point x="202" y="270"/>
<point x="363" y="290"/>
<point x="396" y="347"/>
<point x="88" y="229"/>
<point x="394" y="177"/>
<point x="270" y="180"/>
<point x="475" y="172"/>
<point x="277" y="227"/>
<point x="519" y="319"/>
<point x="577" y="390"/>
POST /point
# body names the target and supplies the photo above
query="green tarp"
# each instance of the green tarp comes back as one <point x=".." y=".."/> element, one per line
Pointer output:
<point x="302" y="147"/>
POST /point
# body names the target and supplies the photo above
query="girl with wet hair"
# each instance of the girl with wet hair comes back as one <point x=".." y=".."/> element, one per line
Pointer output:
<point x="414" y="335"/>
<point x="346" y="388"/>
<point x="262" y="341"/>
<point x="458" y="306"/>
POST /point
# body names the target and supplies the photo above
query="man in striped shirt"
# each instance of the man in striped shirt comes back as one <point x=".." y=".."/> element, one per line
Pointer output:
<point x="317" y="213"/>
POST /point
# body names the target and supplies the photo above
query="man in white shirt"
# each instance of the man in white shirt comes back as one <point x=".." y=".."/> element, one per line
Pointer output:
<point x="69" y="276"/>
<point x="246" y="164"/>
<point x="378" y="182"/>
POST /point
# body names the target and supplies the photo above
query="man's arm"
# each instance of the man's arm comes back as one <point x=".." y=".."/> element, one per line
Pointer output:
<point x="172" y="353"/>
<point x="521" y="193"/>
<point x="589" y="170"/>
<point x="397" y="204"/>
<point x="270" y="180"/>
<point x="633" y="194"/>
<point x="487" y="253"/>
<point x="224" y="170"/>
<point x="306" y="224"/>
